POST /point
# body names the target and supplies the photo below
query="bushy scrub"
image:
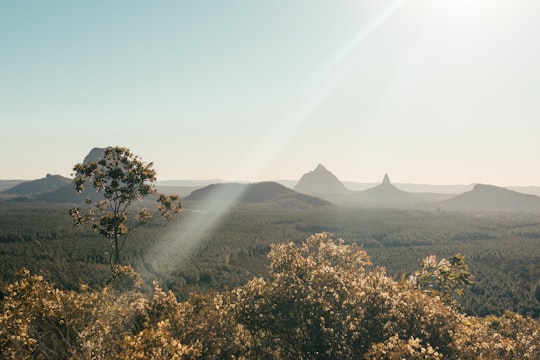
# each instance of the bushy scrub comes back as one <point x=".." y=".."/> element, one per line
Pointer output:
<point x="321" y="300"/>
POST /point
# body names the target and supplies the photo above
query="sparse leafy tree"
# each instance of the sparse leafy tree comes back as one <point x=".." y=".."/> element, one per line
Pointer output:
<point x="123" y="180"/>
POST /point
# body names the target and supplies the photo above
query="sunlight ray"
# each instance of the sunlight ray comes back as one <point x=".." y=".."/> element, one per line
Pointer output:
<point x="187" y="236"/>
<point x="360" y="37"/>
<point x="316" y="90"/>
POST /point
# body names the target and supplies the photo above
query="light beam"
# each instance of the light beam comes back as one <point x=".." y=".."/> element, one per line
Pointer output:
<point x="195" y="226"/>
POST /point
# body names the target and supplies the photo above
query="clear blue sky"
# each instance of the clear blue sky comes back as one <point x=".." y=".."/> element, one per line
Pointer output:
<point x="429" y="91"/>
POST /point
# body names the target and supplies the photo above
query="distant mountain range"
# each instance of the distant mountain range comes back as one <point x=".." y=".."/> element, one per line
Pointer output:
<point x="318" y="187"/>
<point x="481" y="197"/>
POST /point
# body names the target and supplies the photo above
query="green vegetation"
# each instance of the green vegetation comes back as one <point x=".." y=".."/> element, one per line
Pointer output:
<point x="447" y="278"/>
<point x="502" y="250"/>
<point x="321" y="300"/>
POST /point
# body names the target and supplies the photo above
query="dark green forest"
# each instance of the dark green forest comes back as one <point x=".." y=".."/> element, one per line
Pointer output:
<point x="501" y="249"/>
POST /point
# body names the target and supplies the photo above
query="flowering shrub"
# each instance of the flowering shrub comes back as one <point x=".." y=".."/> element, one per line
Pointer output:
<point x="321" y="300"/>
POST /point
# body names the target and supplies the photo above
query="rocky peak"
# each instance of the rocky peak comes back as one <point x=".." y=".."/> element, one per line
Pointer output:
<point x="320" y="181"/>
<point x="94" y="155"/>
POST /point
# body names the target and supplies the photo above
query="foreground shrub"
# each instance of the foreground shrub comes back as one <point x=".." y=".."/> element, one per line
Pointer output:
<point x="322" y="300"/>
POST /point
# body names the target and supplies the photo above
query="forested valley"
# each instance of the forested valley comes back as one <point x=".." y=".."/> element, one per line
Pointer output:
<point x="502" y="250"/>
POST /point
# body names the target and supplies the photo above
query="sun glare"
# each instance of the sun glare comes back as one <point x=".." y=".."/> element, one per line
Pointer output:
<point x="466" y="8"/>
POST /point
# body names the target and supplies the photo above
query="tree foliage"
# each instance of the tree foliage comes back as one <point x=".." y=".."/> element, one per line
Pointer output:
<point x="123" y="180"/>
<point x="322" y="300"/>
<point x="447" y="278"/>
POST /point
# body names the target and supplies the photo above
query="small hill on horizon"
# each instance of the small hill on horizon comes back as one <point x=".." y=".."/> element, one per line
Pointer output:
<point x="493" y="198"/>
<point x="262" y="192"/>
<point x="320" y="181"/>
<point x="47" y="184"/>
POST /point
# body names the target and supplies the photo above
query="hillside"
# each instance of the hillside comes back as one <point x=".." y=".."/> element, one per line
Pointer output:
<point x="182" y="191"/>
<point x="385" y="195"/>
<point x="320" y="181"/>
<point x="8" y="184"/>
<point x="493" y="198"/>
<point x="94" y="155"/>
<point x="263" y="192"/>
<point x="46" y="184"/>
<point x="55" y="188"/>
<point x="68" y="194"/>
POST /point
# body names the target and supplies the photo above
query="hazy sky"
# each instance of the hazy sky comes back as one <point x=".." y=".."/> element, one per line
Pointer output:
<point x="428" y="91"/>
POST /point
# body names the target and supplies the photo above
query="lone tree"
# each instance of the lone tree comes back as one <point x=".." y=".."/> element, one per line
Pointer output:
<point x="123" y="180"/>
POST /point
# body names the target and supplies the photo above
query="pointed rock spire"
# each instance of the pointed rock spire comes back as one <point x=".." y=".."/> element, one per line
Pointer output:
<point x="386" y="180"/>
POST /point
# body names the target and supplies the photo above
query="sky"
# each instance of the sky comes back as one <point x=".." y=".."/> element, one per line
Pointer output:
<point x="428" y="91"/>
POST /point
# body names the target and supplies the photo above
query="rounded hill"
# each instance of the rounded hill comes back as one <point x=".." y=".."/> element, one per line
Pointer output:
<point x="263" y="192"/>
<point x="46" y="184"/>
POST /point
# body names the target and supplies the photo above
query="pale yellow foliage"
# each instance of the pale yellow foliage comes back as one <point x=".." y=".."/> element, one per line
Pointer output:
<point x="322" y="300"/>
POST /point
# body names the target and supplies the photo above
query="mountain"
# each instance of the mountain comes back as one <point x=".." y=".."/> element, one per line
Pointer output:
<point x="182" y="191"/>
<point x="489" y="197"/>
<point x="386" y="194"/>
<point x="189" y="183"/>
<point x="533" y="190"/>
<point x="288" y="183"/>
<point x="57" y="189"/>
<point x="320" y="181"/>
<point x="94" y="155"/>
<point x="263" y="192"/>
<point x="46" y="184"/>
<point x="8" y="184"/>
<point x="68" y="194"/>
<point x="183" y="187"/>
